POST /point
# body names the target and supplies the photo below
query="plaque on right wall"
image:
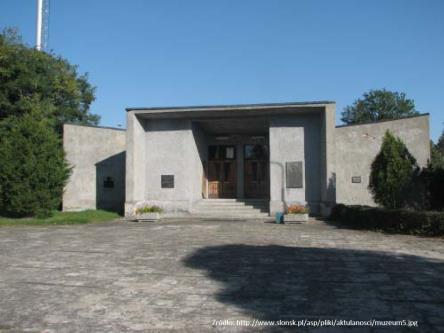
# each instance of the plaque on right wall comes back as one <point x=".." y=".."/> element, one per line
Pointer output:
<point x="356" y="179"/>
<point x="294" y="174"/>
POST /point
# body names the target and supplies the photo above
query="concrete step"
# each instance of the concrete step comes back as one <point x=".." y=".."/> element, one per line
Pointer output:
<point x="222" y="204"/>
<point x="229" y="212"/>
<point x="225" y="202"/>
<point x="231" y="209"/>
<point x="231" y="216"/>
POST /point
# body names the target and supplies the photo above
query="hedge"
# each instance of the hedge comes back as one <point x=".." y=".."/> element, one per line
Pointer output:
<point x="404" y="221"/>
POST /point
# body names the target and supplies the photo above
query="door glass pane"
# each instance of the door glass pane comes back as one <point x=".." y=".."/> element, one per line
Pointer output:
<point x="217" y="171"/>
<point x="228" y="172"/>
<point x="229" y="153"/>
<point x="256" y="152"/>
<point x="254" y="171"/>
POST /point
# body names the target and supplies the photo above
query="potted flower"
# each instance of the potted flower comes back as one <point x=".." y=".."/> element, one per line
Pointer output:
<point x="296" y="213"/>
<point x="148" y="213"/>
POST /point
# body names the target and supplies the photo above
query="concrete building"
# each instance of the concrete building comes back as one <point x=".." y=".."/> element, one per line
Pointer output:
<point x="230" y="160"/>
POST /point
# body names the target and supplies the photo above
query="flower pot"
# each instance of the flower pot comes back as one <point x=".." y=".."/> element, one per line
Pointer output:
<point x="148" y="217"/>
<point x="296" y="217"/>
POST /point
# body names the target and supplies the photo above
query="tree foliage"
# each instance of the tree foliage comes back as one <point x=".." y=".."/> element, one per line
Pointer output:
<point x="30" y="79"/>
<point x="392" y="173"/>
<point x="378" y="105"/>
<point x="440" y="144"/>
<point x="33" y="170"/>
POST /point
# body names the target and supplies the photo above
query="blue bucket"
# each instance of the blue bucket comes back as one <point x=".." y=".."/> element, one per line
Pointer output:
<point x="279" y="217"/>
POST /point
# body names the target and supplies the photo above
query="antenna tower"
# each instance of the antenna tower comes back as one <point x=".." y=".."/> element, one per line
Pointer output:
<point x="42" y="25"/>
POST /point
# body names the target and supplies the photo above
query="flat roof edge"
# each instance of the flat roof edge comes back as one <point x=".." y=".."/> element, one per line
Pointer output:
<point x="96" y="126"/>
<point x="228" y="106"/>
<point x="384" y="120"/>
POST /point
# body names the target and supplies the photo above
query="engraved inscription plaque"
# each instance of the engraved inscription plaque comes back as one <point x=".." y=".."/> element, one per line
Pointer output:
<point x="356" y="179"/>
<point x="167" y="181"/>
<point x="294" y="174"/>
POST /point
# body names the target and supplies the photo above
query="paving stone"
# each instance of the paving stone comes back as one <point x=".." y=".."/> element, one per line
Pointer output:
<point x="182" y="275"/>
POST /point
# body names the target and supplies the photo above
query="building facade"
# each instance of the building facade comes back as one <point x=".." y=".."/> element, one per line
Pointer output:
<point x="276" y="154"/>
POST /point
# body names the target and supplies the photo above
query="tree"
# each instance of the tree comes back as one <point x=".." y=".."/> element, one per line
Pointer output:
<point x="30" y="79"/>
<point x="392" y="172"/>
<point x="440" y="144"/>
<point x="33" y="170"/>
<point x="378" y="105"/>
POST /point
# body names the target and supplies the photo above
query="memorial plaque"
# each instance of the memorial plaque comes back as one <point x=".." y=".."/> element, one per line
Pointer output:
<point x="108" y="182"/>
<point x="356" y="179"/>
<point x="294" y="174"/>
<point x="167" y="181"/>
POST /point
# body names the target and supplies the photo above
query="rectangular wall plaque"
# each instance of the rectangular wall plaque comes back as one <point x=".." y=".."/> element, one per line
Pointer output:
<point x="167" y="181"/>
<point x="356" y="179"/>
<point x="294" y="174"/>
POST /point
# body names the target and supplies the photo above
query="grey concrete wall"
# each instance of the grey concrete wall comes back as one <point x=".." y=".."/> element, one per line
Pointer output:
<point x="328" y="160"/>
<point x="94" y="153"/>
<point x="201" y="143"/>
<point x="171" y="149"/>
<point x="295" y="138"/>
<point x="135" y="161"/>
<point x="358" y="145"/>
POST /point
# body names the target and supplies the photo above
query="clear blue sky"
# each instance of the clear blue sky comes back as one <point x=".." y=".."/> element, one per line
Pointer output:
<point x="163" y="53"/>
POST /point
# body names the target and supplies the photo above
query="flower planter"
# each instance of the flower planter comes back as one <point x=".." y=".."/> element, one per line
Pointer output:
<point x="148" y="217"/>
<point x="296" y="217"/>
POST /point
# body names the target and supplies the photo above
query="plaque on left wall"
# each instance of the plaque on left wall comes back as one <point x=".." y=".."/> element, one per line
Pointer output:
<point x="167" y="181"/>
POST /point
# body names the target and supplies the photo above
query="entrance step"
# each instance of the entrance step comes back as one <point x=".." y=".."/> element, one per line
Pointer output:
<point x="231" y="208"/>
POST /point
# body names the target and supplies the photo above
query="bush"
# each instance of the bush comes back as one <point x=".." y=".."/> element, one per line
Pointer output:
<point x="405" y="221"/>
<point x="33" y="170"/>
<point x="392" y="173"/>
<point x="148" y="209"/>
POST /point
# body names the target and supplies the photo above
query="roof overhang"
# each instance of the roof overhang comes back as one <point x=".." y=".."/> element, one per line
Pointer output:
<point x="237" y="110"/>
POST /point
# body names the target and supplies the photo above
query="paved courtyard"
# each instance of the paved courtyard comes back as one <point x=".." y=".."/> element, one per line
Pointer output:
<point x="193" y="275"/>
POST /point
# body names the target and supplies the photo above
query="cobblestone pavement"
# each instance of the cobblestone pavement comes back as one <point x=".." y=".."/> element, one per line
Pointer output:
<point x="184" y="275"/>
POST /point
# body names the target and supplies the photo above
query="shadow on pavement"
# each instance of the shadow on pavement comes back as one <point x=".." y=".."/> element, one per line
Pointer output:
<point x="278" y="282"/>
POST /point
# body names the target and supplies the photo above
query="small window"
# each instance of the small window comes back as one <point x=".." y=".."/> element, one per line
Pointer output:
<point x="229" y="153"/>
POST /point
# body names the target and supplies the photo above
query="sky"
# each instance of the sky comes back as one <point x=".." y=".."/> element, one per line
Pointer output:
<point x="141" y="53"/>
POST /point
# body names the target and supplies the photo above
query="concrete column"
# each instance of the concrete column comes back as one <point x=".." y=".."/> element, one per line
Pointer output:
<point x="286" y="137"/>
<point x="135" y="162"/>
<point x="240" y="191"/>
<point x="328" y="160"/>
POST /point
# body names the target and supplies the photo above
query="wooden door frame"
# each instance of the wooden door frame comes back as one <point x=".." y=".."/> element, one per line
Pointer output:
<point x="222" y="162"/>
<point x="267" y="160"/>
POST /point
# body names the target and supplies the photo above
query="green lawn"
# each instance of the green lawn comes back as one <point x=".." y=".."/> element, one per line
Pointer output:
<point x="86" y="216"/>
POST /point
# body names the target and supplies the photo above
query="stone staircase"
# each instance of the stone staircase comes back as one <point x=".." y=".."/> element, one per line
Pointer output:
<point x="231" y="209"/>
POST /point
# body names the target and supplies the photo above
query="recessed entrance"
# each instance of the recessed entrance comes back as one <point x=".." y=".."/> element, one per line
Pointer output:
<point x="224" y="165"/>
<point x="222" y="171"/>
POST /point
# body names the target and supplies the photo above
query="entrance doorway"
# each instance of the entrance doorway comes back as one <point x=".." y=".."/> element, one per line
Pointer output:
<point x="222" y="171"/>
<point x="257" y="176"/>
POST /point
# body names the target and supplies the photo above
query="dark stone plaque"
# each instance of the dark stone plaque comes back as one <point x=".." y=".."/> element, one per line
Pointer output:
<point x="356" y="179"/>
<point x="108" y="182"/>
<point x="294" y="174"/>
<point x="167" y="181"/>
